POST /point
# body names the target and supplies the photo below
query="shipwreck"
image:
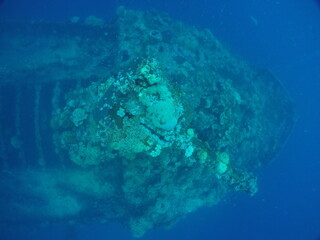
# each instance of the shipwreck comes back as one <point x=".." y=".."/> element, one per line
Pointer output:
<point x="140" y="120"/>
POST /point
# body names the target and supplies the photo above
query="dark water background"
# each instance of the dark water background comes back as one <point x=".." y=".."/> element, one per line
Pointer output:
<point x="281" y="35"/>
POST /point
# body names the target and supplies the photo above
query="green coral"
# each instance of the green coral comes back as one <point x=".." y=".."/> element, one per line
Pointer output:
<point x="85" y="155"/>
<point x="78" y="116"/>
<point x="222" y="162"/>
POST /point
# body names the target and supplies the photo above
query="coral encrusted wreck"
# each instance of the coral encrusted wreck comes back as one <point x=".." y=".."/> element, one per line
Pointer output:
<point x="150" y="120"/>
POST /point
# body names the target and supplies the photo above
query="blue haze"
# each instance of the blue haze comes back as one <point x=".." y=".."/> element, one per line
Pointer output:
<point x="281" y="35"/>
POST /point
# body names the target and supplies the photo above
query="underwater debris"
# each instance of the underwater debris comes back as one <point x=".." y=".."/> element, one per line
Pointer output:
<point x="142" y="120"/>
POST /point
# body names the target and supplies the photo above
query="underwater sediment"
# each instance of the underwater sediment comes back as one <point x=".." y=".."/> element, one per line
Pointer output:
<point x="141" y="120"/>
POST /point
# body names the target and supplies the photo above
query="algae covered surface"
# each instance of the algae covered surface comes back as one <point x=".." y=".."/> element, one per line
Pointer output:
<point x="141" y="120"/>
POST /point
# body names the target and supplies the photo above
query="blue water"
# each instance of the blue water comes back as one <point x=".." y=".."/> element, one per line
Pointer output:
<point x="281" y="35"/>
